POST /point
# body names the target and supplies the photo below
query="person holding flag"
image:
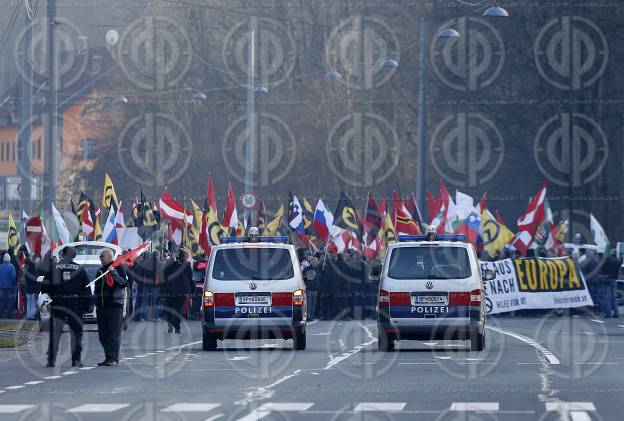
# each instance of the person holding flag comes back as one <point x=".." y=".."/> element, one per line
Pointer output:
<point x="110" y="295"/>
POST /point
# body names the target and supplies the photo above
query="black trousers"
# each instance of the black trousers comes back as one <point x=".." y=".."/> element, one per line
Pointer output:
<point x="109" y="331"/>
<point x="59" y="317"/>
<point x="174" y="311"/>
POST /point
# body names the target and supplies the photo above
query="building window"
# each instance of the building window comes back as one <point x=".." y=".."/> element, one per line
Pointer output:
<point x="87" y="148"/>
<point x="13" y="149"/>
<point x="2" y="153"/>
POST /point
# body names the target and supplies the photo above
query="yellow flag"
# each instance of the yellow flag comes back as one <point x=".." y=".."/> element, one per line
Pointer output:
<point x="12" y="241"/>
<point x="197" y="212"/>
<point x="389" y="235"/>
<point x="494" y="234"/>
<point x="215" y="231"/>
<point x="108" y="194"/>
<point x="98" y="229"/>
<point x="272" y="227"/>
<point x="189" y="239"/>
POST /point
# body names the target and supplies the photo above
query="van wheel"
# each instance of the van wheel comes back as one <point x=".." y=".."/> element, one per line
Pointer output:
<point x="299" y="341"/>
<point x="384" y="342"/>
<point x="209" y="341"/>
<point x="477" y="342"/>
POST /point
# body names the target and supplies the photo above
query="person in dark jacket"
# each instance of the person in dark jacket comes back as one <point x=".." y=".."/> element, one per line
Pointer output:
<point x="67" y="284"/>
<point x="8" y="287"/>
<point x="178" y="283"/>
<point x="327" y="288"/>
<point x="311" y="277"/>
<point x="109" y="300"/>
<point x="29" y="275"/>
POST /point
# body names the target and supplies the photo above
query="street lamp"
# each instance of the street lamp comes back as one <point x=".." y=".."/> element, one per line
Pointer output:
<point x="333" y="75"/>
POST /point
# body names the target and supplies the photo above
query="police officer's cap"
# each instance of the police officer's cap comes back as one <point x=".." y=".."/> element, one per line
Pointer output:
<point x="69" y="252"/>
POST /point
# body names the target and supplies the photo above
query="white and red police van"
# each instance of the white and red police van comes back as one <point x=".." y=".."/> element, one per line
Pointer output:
<point x="431" y="289"/>
<point x="254" y="290"/>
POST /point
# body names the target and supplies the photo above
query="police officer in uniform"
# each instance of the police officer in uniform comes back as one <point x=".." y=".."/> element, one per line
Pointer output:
<point x="109" y="300"/>
<point x="67" y="284"/>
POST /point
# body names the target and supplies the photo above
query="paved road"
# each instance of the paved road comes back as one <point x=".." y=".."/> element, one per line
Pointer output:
<point x="545" y="368"/>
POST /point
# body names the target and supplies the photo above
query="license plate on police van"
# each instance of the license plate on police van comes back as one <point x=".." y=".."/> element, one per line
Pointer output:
<point x="430" y="298"/>
<point x="253" y="299"/>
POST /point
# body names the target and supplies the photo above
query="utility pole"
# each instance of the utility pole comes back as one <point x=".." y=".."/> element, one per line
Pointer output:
<point x="250" y="147"/>
<point x="25" y="132"/>
<point x="422" y="117"/>
<point x="51" y="117"/>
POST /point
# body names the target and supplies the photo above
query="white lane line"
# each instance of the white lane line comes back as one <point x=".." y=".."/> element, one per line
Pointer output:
<point x="191" y="407"/>
<point x="380" y="406"/>
<point x="286" y="406"/>
<point x="87" y="368"/>
<point x="548" y="356"/>
<point x="14" y="409"/>
<point x="570" y="406"/>
<point x="52" y="377"/>
<point x="237" y="358"/>
<point x="34" y="382"/>
<point x="185" y="345"/>
<point x="319" y="334"/>
<point x="90" y="408"/>
<point x="475" y="406"/>
<point x="69" y="373"/>
<point x="336" y="360"/>
<point x="214" y="417"/>
<point x="255" y="415"/>
<point x="597" y="321"/>
<point x="579" y="416"/>
<point x="15" y="387"/>
<point x="620" y="325"/>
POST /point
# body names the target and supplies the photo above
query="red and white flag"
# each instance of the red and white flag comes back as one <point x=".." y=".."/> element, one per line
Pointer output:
<point x="530" y="221"/>
<point x="403" y="222"/>
<point x="119" y="217"/>
<point x="173" y="211"/>
<point x="129" y="257"/>
<point x="230" y="218"/>
<point x="37" y="237"/>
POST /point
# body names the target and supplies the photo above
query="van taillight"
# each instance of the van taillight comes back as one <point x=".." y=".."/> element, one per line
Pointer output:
<point x="384" y="298"/>
<point x="208" y="299"/>
<point x="475" y="297"/>
<point x="298" y="297"/>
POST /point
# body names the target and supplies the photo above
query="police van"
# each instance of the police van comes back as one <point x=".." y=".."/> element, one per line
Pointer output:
<point x="431" y="289"/>
<point x="253" y="289"/>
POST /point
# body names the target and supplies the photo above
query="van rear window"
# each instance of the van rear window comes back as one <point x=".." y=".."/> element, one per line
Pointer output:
<point x="429" y="263"/>
<point x="244" y="264"/>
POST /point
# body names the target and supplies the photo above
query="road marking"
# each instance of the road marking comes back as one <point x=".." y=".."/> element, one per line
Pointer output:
<point x="380" y="406"/>
<point x="90" y="408"/>
<point x="319" y="334"/>
<point x="475" y="406"/>
<point x="286" y="406"/>
<point x="87" y="368"/>
<point x="336" y="360"/>
<point x="549" y="356"/>
<point x="34" y="382"/>
<point x="255" y="415"/>
<point x="52" y="377"/>
<point x="214" y="417"/>
<point x="570" y="406"/>
<point x="191" y="407"/>
<point x="443" y="358"/>
<point x="15" y="387"/>
<point x="14" y="409"/>
<point x="597" y="321"/>
<point x="620" y="325"/>
<point x="69" y="373"/>
<point x="237" y="358"/>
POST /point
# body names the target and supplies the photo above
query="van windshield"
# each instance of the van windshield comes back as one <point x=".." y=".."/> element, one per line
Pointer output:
<point x="429" y="263"/>
<point x="243" y="264"/>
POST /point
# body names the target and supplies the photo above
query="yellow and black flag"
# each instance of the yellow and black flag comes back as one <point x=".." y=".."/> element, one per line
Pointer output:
<point x="308" y="218"/>
<point x="275" y="226"/>
<point x="147" y="215"/>
<point x="109" y="197"/>
<point x="189" y="239"/>
<point x="215" y="231"/>
<point x="12" y="241"/>
<point x="346" y="216"/>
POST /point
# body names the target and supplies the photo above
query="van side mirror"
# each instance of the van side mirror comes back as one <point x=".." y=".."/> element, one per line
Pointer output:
<point x="489" y="275"/>
<point x="374" y="273"/>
